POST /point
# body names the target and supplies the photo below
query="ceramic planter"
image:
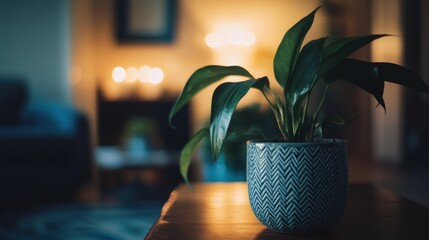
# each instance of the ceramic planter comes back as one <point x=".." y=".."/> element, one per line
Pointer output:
<point x="297" y="187"/>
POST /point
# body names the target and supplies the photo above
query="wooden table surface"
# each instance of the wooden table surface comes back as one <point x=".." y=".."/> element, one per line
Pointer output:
<point x="222" y="211"/>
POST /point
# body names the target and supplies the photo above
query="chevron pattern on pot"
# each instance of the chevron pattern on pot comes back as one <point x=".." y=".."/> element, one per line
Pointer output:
<point x="297" y="187"/>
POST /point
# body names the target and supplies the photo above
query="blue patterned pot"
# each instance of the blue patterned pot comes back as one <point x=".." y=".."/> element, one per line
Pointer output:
<point x="297" y="187"/>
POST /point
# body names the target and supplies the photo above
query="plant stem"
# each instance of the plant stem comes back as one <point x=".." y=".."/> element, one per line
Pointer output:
<point x="316" y="114"/>
<point x="304" y="115"/>
<point x="277" y="110"/>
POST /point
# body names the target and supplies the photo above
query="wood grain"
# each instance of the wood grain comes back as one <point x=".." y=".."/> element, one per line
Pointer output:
<point x="222" y="211"/>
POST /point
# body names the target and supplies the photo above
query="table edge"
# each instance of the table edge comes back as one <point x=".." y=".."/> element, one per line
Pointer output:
<point x="167" y="205"/>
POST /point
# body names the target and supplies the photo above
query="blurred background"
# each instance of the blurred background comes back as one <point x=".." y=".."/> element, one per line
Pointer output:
<point x="86" y="87"/>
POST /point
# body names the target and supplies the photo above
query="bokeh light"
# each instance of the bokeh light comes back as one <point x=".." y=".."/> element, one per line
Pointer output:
<point x="118" y="74"/>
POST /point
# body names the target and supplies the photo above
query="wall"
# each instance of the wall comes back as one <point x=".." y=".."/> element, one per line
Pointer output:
<point x="415" y="27"/>
<point x="268" y="20"/>
<point x="350" y="18"/>
<point x="34" y="44"/>
<point x="82" y="60"/>
<point x="387" y="128"/>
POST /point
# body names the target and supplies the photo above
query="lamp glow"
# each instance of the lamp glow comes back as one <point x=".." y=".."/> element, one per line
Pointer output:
<point x="118" y="74"/>
<point x="144" y="73"/>
<point x="156" y="75"/>
<point x="131" y="74"/>
<point x="214" y="40"/>
<point x="235" y="37"/>
<point x="248" y="38"/>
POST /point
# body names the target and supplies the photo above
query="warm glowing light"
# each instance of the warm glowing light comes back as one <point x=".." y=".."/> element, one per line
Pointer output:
<point x="235" y="37"/>
<point x="214" y="40"/>
<point x="118" y="74"/>
<point x="231" y="37"/>
<point x="144" y="73"/>
<point x="241" y="38"/>
<point x="131" y="74"/>
<point x="156" y="75"/>
<point x="248" y="38"/>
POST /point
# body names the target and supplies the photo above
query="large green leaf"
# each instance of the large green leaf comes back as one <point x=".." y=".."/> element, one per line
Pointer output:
<point x="202" y="78"/>
<point x="305" y="72"/>
<point x="394" y="73"/>
<point x="338" y="50"/>
<point x="360" y="74"/>
<point x="371" y="76"/>
<point x="288" y="50"/>
<point x="224" y="101"/>
<point x="303" y="79"/>
<point x="188" y="150"/>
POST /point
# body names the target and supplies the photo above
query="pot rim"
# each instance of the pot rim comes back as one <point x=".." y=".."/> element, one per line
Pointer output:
<point x="325" y="141"/>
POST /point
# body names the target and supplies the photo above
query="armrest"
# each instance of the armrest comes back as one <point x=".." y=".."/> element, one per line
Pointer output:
<point x="30" y="133"/>
<point x="60" y="119"/>
<point x="50" y="138"/>
<point x="33" y="146"/>
<point x="57" y="116"/>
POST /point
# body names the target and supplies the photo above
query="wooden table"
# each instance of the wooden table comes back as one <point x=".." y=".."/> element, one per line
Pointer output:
<point x="222" y="211"/>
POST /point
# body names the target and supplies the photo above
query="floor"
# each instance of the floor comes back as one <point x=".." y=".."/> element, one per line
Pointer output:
<point x="125" y="210"/>
<point x="82" y="221"/>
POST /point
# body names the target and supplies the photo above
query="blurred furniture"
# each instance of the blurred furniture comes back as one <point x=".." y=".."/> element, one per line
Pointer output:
<point x="116" y="157"/>
<point x="154" y="174"/>
<point x="137" y="146"/>
<point x="222" y="211"/>
<point x="43" y="146"/>
<point x="115" y="116"/>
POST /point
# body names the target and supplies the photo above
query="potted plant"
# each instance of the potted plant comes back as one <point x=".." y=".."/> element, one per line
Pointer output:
<point x="297" y="183"/>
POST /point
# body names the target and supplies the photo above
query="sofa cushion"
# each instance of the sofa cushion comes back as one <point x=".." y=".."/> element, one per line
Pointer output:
<point x="13" y="96"/>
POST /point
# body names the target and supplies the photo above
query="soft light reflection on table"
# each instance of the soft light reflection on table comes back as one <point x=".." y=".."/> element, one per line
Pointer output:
<point x="219" y="208"/>
<point x="222" y="211"/>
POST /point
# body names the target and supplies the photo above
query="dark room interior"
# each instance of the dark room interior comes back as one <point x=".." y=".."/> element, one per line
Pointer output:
<point x="87" y="86"/>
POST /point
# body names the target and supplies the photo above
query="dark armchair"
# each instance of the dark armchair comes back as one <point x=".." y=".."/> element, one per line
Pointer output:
<point x="43" y="146"/>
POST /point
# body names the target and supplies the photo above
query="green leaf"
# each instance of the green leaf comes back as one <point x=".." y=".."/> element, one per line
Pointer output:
<point x="202" y="78"/>
<point x="276" y="104"/>
<point x="318" y="132"/>
<point x="338" y="50"/>
<point x="371" y="76"/>
<point x="361" y="74"/>
<point x="224" y="101"/>
<point x="288" y="50"/>
<point x="319" y="107"/>
<point x="188" y="150"/>
<point x="305" y="72"/>
<point x="394" y="73"/>
<point x="303" y="79"/>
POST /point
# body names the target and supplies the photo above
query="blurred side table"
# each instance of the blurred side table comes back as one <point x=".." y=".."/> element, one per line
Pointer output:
<point x="153" y="174"/>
